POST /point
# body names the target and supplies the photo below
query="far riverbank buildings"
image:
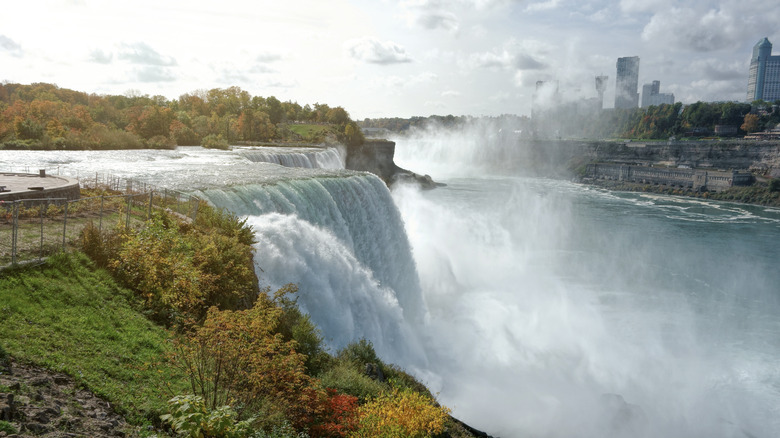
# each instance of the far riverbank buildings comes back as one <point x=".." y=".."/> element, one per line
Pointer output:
<point x="627" y="82"/>
<point x="764" y="74"/>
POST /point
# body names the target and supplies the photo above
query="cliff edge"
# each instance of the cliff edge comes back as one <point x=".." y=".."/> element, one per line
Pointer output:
<point x="376" y="156"/>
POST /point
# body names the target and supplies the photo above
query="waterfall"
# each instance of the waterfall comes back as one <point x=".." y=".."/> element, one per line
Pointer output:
<point x="343" y="242"/>
<point x="311" y="158"/>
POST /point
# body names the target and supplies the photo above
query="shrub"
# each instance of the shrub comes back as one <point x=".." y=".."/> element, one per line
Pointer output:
<point x="179" y="270"/>
<point x="298" y="327"/>
<point x="401" y="413"/>
<point x="161" y="142"/>
<point x="224" y="222"/>
<point x="339" y="417"/>
<point x="101" y="246"/>
<point x="212" y="141"/>
<point x="157" y="262"/>
<point x="237" y="358"/>
<point x="189" y="416"/>
<point x="346" y="378"/>
<point x="774" y="185"/>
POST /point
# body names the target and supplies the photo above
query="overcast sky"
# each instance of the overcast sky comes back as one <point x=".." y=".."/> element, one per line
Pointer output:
<point x="385" y="58"/>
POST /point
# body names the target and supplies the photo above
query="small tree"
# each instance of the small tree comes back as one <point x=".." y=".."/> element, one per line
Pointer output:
<point x="751" y="123"/>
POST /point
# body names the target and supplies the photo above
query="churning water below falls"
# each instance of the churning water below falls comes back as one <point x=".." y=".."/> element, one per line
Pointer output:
<point x="534" y="307"/>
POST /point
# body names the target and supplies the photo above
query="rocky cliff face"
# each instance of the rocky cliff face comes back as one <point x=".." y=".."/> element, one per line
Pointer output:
<point x="759" y="157"/>
<point x="376" y="156"/>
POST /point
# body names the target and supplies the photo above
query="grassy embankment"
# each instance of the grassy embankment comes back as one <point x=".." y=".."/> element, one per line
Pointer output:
<point x="70" y="317"/>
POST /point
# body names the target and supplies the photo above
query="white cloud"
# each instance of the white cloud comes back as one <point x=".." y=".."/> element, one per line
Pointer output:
<point x="9" y="45"/>
<point x="451" y="93"/>
<point x="371" y="50"/>
<point x="708" y="26"/>
<point x="154" y="73"/>
<point x="142" y="53"/>
<point x="543" y="6"/>
<point x="101" y="57"/>
<point x="513" y="55"/>
<point x="430" y="14"/>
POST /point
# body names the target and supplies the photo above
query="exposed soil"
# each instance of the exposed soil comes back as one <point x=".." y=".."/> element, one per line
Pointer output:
<point x="39" y="403"/>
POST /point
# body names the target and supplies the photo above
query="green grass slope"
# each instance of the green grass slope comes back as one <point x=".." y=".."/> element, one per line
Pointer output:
<point x="69" y="317"/>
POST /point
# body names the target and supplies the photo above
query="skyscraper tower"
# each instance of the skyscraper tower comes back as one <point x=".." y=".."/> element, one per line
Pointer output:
<point x="601" y="87"/>
<point x="764" y="73"/>
<point x="627" y="82"/>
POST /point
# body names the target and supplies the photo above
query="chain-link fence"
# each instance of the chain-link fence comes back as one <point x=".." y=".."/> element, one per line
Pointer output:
<point x="32" y="229"/>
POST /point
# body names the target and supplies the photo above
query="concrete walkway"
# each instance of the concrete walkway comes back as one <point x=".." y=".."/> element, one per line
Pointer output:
<point x="15" y="186"/>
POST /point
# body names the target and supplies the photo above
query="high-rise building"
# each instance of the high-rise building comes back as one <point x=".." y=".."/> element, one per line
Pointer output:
<point x="601" y="87"/>
<point x="651" y="95"/>
<point x="764" y="73"/>
<point x="627" y="82"/>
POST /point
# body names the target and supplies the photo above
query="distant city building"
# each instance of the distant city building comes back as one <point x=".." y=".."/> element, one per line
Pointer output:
<point x="651" y="95"/>
<point x="601" y="87"/>
<point x="627" y="82"/>
<point x="764" y="73"/>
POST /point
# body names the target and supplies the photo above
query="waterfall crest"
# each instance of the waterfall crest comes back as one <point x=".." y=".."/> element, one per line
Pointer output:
<point x="310" y="158"/>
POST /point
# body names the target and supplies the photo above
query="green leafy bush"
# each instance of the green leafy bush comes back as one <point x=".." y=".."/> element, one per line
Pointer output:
<point x="188" y="416"/>
<point x="212" y="141"/>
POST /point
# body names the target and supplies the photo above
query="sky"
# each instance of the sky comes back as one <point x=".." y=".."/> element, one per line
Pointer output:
<point x="386" y="58"/>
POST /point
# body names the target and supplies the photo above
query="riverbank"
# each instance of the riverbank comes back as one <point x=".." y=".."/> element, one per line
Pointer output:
<point x="757" y="194"/>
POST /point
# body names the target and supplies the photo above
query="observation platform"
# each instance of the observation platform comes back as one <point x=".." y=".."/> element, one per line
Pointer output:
<point x="20" y="186"/>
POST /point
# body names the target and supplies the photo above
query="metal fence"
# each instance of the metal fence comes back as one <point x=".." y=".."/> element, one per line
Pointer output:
<point x="32" y="229"/>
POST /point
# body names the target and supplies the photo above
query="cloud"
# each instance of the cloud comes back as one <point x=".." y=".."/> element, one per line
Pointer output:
<point x="404" y="82"/>
<point x="700" y="27"/>
<point x="543" y="6"/>
<point x="142" y="53"/>
<point x="11" y="46"/>
<point x="713" y="69"/>
<point x="369" y="49"/>
<point x="430" y="14"/>
<point x="268" y="57"/>
<point x="450" y="93"/>
<point x="154" y="73"/>
<point x="101" y="57"/>
<point x="513" y="55"/>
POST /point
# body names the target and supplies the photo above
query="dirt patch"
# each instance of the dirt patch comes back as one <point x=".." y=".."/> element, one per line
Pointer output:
<point x="40" y="403"/>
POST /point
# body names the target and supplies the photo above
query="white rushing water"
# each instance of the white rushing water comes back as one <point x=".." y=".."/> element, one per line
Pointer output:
<point x="534" y="307"/>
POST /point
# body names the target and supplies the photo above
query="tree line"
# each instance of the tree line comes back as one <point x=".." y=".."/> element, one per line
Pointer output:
<point x="585" y="121"/>
<point x="44" y="116"/>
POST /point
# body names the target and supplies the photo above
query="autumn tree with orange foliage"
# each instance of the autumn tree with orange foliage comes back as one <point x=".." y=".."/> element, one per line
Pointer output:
<point x="236" y="358"/>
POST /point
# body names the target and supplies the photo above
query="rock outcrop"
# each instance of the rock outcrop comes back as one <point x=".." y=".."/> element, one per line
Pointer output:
<point x="376" y="156"/>
<point x="36" y="402"/>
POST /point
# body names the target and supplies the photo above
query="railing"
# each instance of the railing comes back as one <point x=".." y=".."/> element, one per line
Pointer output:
<point x="32" y="229"/>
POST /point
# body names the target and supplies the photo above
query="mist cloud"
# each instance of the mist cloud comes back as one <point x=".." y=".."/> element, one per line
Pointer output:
<point x="371" y="50"/>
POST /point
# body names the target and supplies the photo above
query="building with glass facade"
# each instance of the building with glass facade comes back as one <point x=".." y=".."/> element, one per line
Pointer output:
<point x="627" y="82"/>
<point x="764" y="73"/>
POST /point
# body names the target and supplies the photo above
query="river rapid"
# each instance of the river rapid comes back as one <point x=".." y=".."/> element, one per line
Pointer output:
<point x="532" y="306"/>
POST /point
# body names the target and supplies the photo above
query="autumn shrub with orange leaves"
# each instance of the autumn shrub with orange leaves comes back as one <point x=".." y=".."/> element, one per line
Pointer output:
<point x="237" y="358"/>
<point x="179" y="269"/>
